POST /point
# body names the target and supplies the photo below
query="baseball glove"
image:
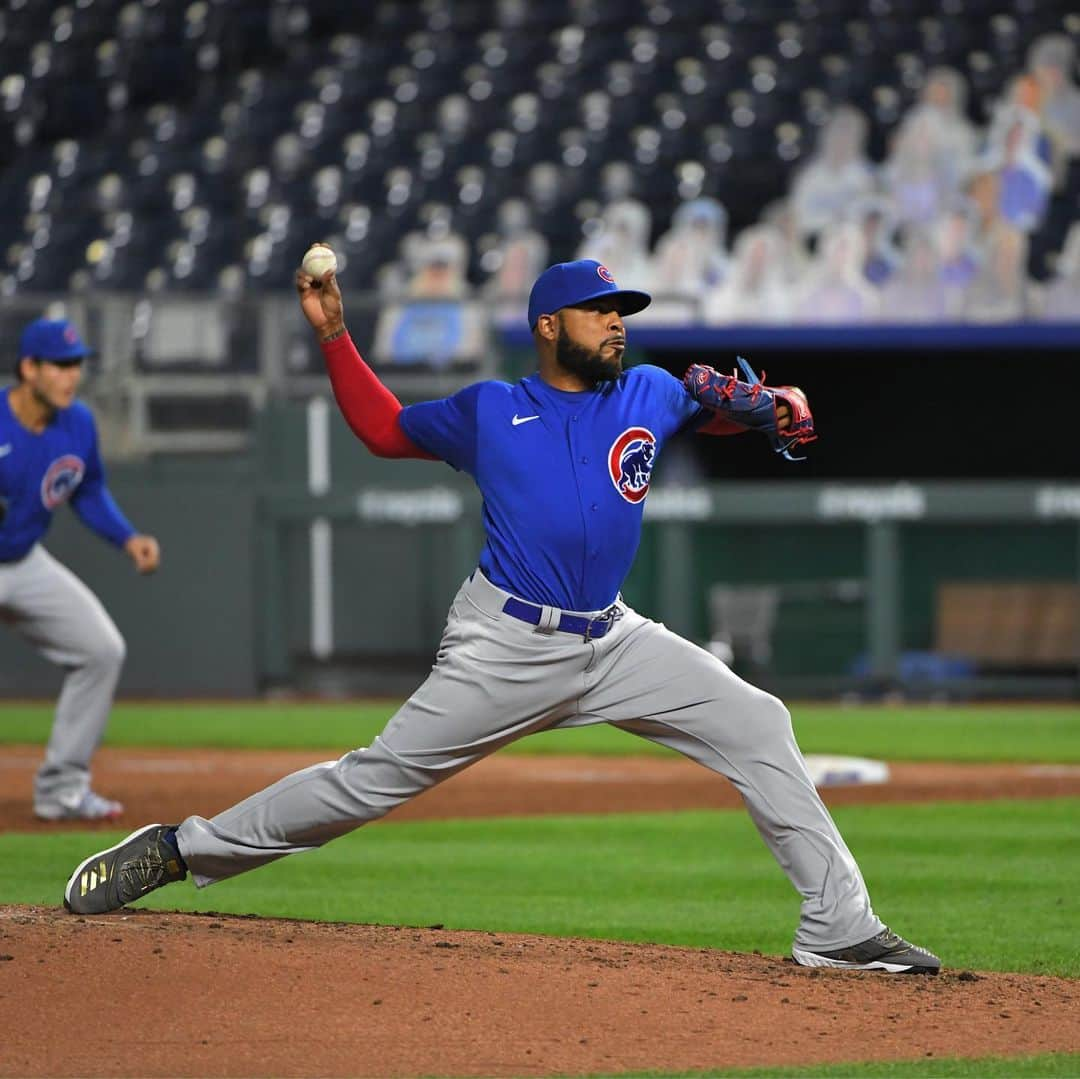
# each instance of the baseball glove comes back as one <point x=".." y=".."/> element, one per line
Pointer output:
<point x="753" y="405"/>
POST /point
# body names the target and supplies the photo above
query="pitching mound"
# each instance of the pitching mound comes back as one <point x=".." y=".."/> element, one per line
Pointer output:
<point x="149" y="994"/>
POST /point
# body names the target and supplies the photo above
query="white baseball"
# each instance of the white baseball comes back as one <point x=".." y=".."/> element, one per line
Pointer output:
<point x="318" y="260"/>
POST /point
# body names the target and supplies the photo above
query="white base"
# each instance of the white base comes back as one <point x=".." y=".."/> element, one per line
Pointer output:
<point x="829" y="771"/>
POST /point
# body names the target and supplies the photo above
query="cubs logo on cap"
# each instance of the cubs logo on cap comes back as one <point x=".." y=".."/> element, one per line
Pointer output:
<point x="567" y="284"/>
<point x="52" y="339"/>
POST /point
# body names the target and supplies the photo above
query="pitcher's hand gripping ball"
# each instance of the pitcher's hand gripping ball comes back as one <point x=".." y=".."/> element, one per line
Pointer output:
<point x="753" y="405"/>
<point x="319" y="259"/>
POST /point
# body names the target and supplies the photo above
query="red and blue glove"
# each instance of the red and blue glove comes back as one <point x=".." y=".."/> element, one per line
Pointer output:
<point x="753" y="405"/>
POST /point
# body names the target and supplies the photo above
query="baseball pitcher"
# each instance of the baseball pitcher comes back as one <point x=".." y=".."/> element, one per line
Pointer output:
<point x="49" y="456"/>
<point x="538" y="635"/>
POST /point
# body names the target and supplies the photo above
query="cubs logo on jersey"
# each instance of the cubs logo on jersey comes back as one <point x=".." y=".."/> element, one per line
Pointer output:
<point x="61" y="479"/>
<point x="630" y="462"/>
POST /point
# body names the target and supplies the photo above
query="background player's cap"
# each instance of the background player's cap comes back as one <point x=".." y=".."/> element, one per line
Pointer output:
<point x="569" y="283"/>
<point x="52" y="339"/>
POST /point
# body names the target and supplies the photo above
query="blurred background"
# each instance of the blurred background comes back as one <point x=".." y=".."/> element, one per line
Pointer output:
<point x="877" y="200"/>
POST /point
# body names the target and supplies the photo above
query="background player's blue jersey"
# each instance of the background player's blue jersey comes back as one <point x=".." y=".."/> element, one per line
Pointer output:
<point x="39" y="472"/>
<point x="564" y="475"/>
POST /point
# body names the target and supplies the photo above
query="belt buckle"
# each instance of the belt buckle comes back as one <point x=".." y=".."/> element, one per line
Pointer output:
<point x="605" y="618"/>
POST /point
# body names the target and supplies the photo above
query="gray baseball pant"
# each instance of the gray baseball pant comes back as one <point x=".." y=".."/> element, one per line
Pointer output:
<point x="497" y="679"/>
<point x="67" y="624"/>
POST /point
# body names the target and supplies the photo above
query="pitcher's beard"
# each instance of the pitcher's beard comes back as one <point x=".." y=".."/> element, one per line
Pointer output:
<point x="589" y="365"/>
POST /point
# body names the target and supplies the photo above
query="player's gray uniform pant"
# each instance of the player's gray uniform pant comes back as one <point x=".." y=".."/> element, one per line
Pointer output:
<point x="67" y="624"/>
<point x="496" y="679"/>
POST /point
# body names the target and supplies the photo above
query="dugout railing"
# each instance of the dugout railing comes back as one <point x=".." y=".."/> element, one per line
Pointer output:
<point x="189" y="372"/>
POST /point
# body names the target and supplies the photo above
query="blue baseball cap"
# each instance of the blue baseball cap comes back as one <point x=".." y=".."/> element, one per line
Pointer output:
<point x="52" y="339"/>
<point x="568" y="283"/>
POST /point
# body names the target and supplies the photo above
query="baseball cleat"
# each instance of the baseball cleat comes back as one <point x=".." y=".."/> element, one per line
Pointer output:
<point x="134" y="867"/>
<point x="89" y="806"/>
<point x="887" y="952"/>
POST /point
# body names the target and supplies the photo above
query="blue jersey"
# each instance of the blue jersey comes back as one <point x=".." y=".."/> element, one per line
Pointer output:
<point x="564" y="475"/>
<point x="39" y="472"/>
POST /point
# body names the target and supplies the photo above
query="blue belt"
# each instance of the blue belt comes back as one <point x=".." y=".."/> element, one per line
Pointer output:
<point x="592" y="629"/>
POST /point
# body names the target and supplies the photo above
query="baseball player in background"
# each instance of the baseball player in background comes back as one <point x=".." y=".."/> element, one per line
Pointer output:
<point x="49" y="456"/>
<point x="538" y="636"/>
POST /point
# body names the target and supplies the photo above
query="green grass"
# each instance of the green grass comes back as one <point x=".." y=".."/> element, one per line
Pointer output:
<point x="989" y="886"/>
<point x="991" y="733"/>
<point x="1042" y="1066"/>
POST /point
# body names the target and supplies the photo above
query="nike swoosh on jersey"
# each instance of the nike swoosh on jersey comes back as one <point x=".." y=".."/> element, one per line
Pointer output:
<point x="518" y="420"/>
<point x="5" y="449"/>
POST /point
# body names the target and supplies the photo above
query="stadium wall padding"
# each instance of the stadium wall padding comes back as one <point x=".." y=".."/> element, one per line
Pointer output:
<point x="199" y="626"/>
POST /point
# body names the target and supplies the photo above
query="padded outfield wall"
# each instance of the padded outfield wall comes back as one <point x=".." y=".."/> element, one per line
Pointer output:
<point x="232" y="610"/>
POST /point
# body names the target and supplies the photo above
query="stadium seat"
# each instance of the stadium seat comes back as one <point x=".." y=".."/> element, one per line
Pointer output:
<point x="298" y="114"/>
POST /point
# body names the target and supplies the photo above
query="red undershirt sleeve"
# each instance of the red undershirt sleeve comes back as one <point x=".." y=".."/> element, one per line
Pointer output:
<point x="369" y="408"/>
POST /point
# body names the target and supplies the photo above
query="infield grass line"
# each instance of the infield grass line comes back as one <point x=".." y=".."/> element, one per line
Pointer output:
<point x="1039" y="1066"/>
<point x="1021" y="733"/>
<point x="983" y="884"/>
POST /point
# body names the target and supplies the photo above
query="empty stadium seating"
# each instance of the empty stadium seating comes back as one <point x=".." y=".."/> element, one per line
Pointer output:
<point x="175" y="145"/>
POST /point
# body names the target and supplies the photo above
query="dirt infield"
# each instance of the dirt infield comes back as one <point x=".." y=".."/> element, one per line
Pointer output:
<point x="168" y="785"/>
<point x="152" y="994"/>
<point x="147" y="994"/>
